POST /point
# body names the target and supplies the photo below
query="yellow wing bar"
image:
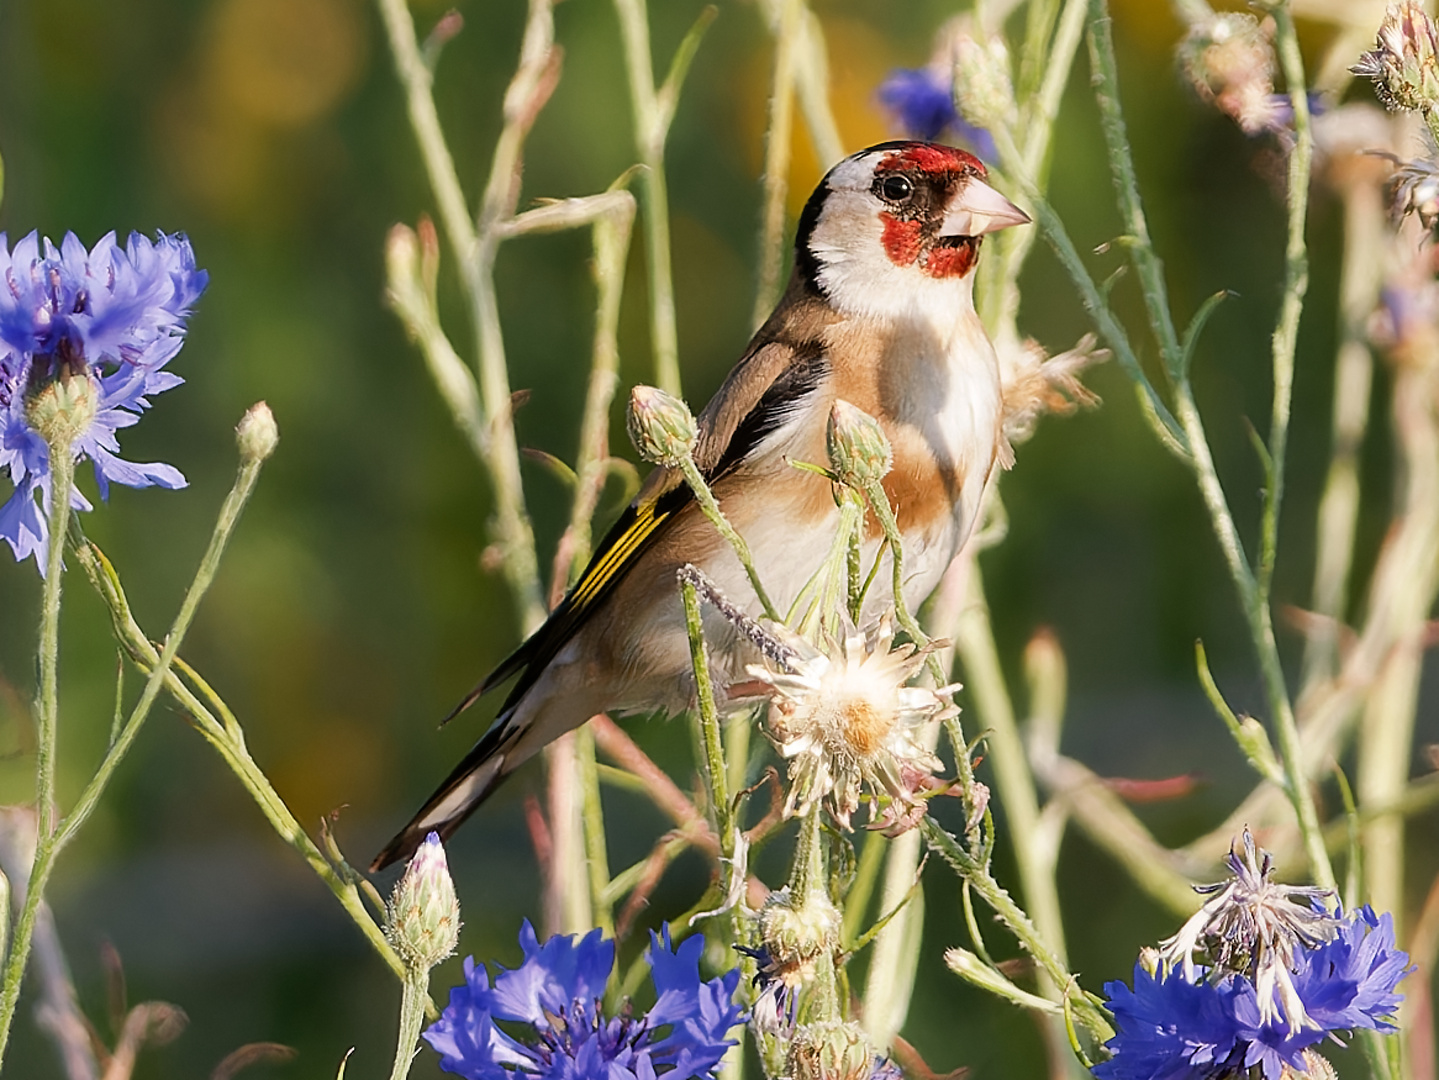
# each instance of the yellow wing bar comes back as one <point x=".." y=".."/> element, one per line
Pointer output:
<point x="614" y="558"/>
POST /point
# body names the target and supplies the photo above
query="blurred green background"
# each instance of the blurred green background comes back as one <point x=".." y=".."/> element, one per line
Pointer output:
<point x="352" y="610"/>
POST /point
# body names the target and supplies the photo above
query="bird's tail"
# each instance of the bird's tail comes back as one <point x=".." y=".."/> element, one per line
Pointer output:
<point x="472" y="780"/>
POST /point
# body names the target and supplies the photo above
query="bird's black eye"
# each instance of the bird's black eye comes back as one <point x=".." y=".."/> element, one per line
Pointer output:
<point x="894" y="188"/>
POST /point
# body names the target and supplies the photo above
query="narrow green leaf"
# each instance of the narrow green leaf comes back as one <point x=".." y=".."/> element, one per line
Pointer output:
<point x="668" y="96"/>
<point x="1194" y="329"/>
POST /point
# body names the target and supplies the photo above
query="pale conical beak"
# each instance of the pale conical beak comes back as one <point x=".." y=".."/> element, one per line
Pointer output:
<point x="978" y="209"/>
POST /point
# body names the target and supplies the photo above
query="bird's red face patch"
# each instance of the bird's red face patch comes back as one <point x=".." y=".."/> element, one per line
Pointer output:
<point x="916" y="182"/>
<point x="902" y="239"/>
<point x="952" y="257"/>
<point x="932" y="159"/>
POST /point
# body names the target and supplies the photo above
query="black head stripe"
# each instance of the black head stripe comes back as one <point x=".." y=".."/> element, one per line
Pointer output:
<point x="805" y="263"/>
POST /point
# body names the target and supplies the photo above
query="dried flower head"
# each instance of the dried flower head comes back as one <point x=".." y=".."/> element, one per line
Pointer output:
<point x="1404" y="63"/>
<point x="831" y="1051"/>
<point x="844" y="718"/>
<point x="1415" y="191"/>
<point x="1229" y="59"/>
<point x="1251" y="927"/>
<point x="795" y="933"/>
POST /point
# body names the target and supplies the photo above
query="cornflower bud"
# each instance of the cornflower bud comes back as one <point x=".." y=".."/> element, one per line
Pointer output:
<point x="257" y="434"/>
<point x="1404" y="63"/>
<point x="661" y="426"/>
<point x="61" y="401"/>
<point x="830" y="1051"/>
<point x="982" y="87"/>
<point x="423" y="920"/>
<point x="859" y="452"/>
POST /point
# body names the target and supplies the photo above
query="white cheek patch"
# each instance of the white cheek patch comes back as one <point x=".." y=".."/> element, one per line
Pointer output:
<point x="855" y="270"/>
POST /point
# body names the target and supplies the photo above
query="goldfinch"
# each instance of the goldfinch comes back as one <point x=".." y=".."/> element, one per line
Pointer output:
<point x="879" y="312"/>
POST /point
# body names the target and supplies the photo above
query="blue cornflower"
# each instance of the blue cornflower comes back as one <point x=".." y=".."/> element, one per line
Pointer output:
<point x="111" y="318"/>
<point x="557" y="992"/>
<point x="1188" y="1025"/>
<point x="922" y="101"/>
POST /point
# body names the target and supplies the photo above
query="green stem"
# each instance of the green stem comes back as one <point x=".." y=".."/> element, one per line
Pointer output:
<point x="1253" y="591"/>
<point x="651" y="130"/>
<point x="229" y="517"/>
<point x="807" y="871"/>
<point x="778" y="141"/>
<point x="705" y="497"/>
<point x="1019" y="924"/>
<point x="476" y="248"/>
<point x="716" y="777"/>
<point x="879" y="503"/>
<point x="412" y="1018"/>
<point x="593" y="813"/>
<point x="1296" y="282"/>
<point x="230" y="743"/>
<point x="62" y="475"/>
<point x="1147" y="263"/>
<point x="62" y="481"/>
<point x="1014" y="781"/>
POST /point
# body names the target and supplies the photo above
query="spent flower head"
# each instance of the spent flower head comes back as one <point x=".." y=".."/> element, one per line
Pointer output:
<point x="834" y="1050"/>
<point x="423" y="917"/>
<point x="557" y="994"/>
<point x="1404" y="63"/>
<point x="1229" y="60"/>
<point x="1202" y="1025"/>
<point x="844" y="717"/>
<point x="1249" y="926"/>
<point x="661" y="426"/>
<point x="85" y="337"/>
<point x="795" y="934"/>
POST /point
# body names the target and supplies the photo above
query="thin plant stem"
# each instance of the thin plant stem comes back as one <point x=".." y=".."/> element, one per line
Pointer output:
<point x="53" y="837"/>
<point x="1019" y="924"/>
<point x="1387" y="726"/>
<point x="652" y="111"/>
<point x="974" y="643"/>
<point x="716" y="777"/>
<point x="1147" y="264"/>
<point x="779" y="138"/>
<point x="812" y="86"/>
<point x="62" y="481"/>
<point x="1361" y="275"/>
<point x="879" y="503"/>
<point x="705" y="497"/>
<point x="475" y="247"/>
<point x="596" y="854"/>
<point x="62" y="477"/>
<point x="412" y="1017"/>
<point x="611" y="244"/>
<point x="229" y="741"/>
<point x="999" y="299"/>
<point x="1252" y="589"/>
<point x="1296" y="283"/>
